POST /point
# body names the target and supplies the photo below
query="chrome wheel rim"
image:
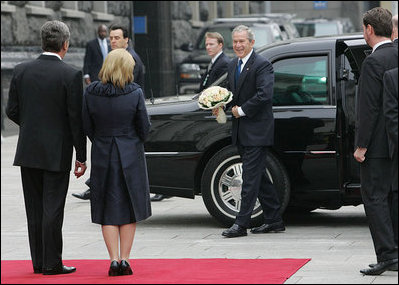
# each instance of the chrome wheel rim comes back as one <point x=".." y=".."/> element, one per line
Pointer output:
<point x="229" y="188"/>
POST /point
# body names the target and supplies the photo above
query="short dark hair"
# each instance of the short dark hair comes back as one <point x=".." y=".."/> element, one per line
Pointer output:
<point x="381" y="21"/>
<point x="120" y="27"/>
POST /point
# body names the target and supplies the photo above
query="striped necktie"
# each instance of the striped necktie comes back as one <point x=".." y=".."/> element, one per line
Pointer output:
<point x="207" y="74"/>
<point x="238" y="71"/>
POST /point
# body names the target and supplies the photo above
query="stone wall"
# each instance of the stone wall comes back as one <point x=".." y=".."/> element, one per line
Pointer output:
<point x="21" y="22"/>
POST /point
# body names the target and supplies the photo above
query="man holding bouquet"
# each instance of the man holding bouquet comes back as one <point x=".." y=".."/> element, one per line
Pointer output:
<point x="251" y="80"/>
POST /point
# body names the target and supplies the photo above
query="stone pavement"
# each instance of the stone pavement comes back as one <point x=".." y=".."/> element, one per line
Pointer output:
<point x="338" y="242"/>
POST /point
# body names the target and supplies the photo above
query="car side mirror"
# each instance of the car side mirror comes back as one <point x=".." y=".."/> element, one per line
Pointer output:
<point x="187" y="47"/>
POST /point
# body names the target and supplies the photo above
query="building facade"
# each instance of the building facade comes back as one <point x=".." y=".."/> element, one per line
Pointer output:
<point x="159" y="28"/>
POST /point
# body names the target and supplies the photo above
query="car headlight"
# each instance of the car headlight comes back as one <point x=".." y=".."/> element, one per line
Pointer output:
<point x="190" y="71"/>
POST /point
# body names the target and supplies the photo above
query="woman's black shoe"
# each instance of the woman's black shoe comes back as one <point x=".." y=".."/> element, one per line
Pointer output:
<point x="114" y="269"/>
<point x="125" y="268"/>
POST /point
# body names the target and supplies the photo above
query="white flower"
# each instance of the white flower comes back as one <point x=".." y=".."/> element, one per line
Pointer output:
<point x="214" y="97"/>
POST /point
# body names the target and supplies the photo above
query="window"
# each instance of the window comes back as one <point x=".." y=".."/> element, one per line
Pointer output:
<point x="264" y="34"/>
<point x="301" y="81"/>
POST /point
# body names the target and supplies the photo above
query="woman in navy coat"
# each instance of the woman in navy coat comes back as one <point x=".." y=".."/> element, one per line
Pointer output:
<point x="116" y="121"/>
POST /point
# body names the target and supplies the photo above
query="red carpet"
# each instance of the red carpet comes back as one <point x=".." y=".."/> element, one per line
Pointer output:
<point x="160" y="271"/>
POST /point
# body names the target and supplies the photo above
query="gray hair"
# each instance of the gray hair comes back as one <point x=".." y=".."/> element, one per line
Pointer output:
<point x="54" y="34"/>
<point x="242" y="28"/>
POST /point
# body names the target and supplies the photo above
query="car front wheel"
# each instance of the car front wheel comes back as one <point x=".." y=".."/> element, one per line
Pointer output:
<point x="221" y="186"/>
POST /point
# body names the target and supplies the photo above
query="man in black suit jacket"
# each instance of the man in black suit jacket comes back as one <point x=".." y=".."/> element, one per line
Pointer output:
<point x="251" y="80"/>
<point x="119" y="38"/>
<point x="45" y="100"/>
<point x="371" y="139"/>
<point x="96" y="52"/>
<point x="219" y="61"/>
<point x="390" y="107"/>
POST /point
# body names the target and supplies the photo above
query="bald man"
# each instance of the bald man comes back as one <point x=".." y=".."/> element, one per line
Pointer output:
<point x="96" y="51"/>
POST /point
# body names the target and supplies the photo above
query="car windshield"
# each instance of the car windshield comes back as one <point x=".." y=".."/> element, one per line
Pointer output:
<point x="264" y="34"/>
<point x="318" y="29"/>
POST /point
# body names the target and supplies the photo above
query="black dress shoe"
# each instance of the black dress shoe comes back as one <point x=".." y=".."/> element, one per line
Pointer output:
<point x="392" y="268"/>
<point x="380" y="267"/>
<point x="159" y="197"/>
<point x="58" y="270"/>
<point x="125" y="268"/>
<point x="37" y="270"/>
<point x="267" y="228"/>
<point x="114" y="269"/>
<point x="235" y="231"/>
<point x="84" y="196"/>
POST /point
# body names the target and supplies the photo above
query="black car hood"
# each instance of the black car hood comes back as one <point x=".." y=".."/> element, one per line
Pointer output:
<point x="172" y="104"/>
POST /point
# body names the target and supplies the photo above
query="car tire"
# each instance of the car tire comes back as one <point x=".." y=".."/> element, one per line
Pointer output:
<point x="221" y="186"/>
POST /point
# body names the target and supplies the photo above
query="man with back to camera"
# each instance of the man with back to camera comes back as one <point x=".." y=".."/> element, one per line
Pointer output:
<point x="251" y="79"/>
<point x="45" y="100"/>
<point x="219" y="61"/>
<point x="371" y="141"/>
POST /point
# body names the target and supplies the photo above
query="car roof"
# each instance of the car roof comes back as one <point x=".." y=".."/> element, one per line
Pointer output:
<point x="242" y="19"/>
<point x="315" y="20"/>
<point x="321" y="41"/>
<point x="274" y="16"/>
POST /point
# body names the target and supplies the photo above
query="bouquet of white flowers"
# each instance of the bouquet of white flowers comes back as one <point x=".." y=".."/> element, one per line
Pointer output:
<point x="215" y="97"/>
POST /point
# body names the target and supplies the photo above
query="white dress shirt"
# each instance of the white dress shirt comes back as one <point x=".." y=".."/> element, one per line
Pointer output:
<point x="379" y="44"/>
<point x="52" y="54"/>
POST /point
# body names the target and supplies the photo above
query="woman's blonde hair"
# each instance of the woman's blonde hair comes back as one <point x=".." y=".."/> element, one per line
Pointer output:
<point x="117" y="68"/>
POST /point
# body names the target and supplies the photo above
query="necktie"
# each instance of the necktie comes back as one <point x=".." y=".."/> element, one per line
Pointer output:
<point x="207" y="74"/>
<point x="103" y="49"/>
<point x="238" y="71"/>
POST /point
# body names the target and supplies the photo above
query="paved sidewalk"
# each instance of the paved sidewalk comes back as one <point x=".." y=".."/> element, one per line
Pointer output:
<point x="338" y="242"/>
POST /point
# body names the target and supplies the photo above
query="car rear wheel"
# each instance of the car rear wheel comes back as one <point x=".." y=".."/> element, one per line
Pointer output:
<point x="221" y="186"/>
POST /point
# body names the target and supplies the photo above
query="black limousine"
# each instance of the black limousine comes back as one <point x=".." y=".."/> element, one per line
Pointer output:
<point x="311" y="163"/>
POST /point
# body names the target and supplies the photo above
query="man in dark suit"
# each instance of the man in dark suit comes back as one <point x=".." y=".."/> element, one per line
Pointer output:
<point x="96" y="52"/>
<point x="119" y="38"/>
<point x="251" y="80"/>
<point x="45" y="100"/>
<point x="371" y="139"/>
<point x="219" y="61"/>
<point x="390" y="107"/>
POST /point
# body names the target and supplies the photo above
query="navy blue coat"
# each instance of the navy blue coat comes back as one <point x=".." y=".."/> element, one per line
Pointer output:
<point x="254" y="94"/>
<point x="117" y="119"/>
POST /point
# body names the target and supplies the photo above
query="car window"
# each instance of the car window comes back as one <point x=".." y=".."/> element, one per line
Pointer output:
<point x="301" y="81"/>
<point x="329" y="28"/>
<point x="264" y="34"/>
<point x="319" y="29"/>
